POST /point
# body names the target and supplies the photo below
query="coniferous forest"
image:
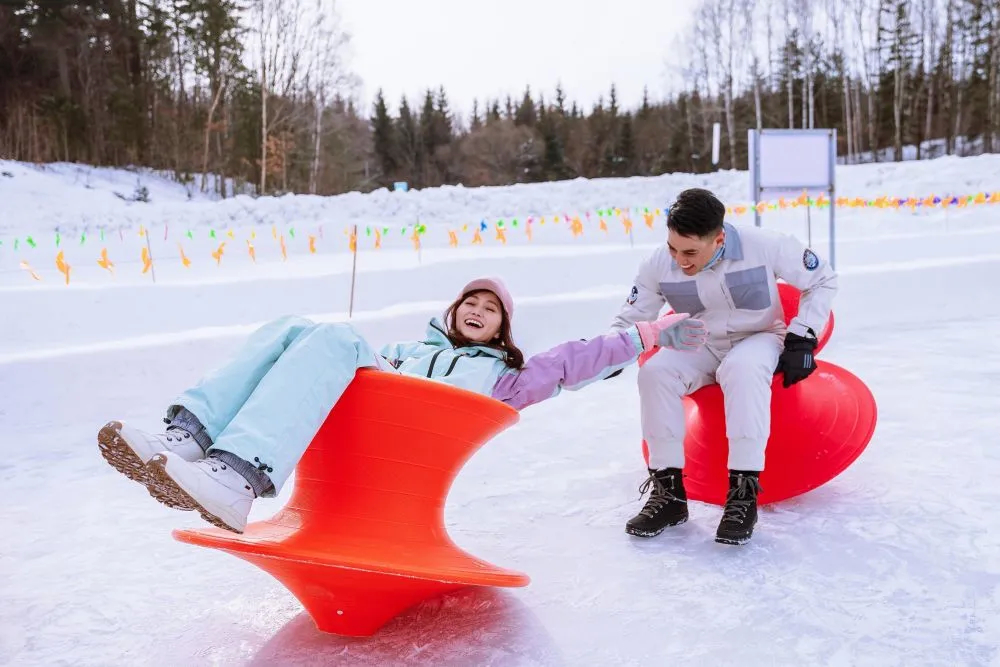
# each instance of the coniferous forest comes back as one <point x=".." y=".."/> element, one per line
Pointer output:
<point x="260" y="91"/>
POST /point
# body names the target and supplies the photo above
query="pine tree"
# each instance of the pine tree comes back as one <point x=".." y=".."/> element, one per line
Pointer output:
<point x="383" y="139"/>
<point x="554" y="159"/>
<point x="409" y="147"/>
<point x="525" y="114"/>
<point x="625" y="151"/>
<point x="475" y="123"/>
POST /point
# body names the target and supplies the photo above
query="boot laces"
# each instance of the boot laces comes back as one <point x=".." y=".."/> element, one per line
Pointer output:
<point x="660" y="496"/>
<point x="740" y="498"/>
<point x="176" y="433"/>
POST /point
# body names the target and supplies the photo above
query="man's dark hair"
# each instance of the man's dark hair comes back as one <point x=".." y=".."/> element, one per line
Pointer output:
<point x="697" y="212"/>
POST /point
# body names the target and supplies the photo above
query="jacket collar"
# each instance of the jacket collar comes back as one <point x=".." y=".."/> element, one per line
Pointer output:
<point x="731" y="249"/>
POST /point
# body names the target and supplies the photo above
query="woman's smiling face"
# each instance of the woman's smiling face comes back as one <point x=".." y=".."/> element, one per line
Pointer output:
<point x="479" y="317"/>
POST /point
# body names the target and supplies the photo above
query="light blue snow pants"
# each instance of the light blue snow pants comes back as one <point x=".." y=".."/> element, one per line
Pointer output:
<point x="267" y="402"/>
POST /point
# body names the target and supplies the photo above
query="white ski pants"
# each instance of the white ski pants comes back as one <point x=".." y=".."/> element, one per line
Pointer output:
<point x="744" y="373"/>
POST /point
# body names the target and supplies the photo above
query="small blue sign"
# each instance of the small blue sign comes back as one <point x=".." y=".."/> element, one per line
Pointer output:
<point x="400" y="186"/>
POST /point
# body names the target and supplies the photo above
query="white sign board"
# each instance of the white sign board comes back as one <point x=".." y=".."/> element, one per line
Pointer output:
<point x="795" y="161"/>
<point x="788" y="162"/>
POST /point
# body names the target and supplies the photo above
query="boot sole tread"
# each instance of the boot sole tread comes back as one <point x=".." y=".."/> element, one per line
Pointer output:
<point x="122" y="458"/>
<point x="167" y="491"/>
<point x="649" y="533"/>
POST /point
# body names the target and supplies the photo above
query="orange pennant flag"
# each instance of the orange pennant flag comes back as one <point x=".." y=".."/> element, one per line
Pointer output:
<point x="312" y="245"/>
<point x="352" y="242"/>
<point x="184" y="260"/>
<point x="27" y="267"/>
<point x="603" y="226"/>
<point x="527" y="230"/>
<point x="627" y="222"/>
<point x="62" y="265"/>
<point x="147" y="261"/>
<point x="477" y="238"/>
<point x="648" y="217"/>
<point x="378" y="239"/>
<point x="284" y="250"/>
<point x="501" y="236"/>
<point x="415" y="237"/>
<point x="452" y="239"/>
<point x="252" y="251"/>
<point x="106" y="263"/>
<point x="217" y="255"/>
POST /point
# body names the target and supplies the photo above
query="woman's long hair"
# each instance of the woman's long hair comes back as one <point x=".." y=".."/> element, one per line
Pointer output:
<point x="513" y="357"/>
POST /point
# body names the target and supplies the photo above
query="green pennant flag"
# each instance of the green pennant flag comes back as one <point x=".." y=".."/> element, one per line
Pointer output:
<point x="291" y="232"/>
<point x="83" y="238"/>
<point x="385" y="230"/>
<point x="499" y="224"/>
<point x="211" y="234"/>
<point x="190" y="235"/>
<point x="514" y="222"/>
<point x="58" y="239"/>
<point x="102" y="235"/>
<point x="17" y="242"/>
<point x="421" y="229"/>
<point x="30" y="241"/>
<point x="368" y="231"/>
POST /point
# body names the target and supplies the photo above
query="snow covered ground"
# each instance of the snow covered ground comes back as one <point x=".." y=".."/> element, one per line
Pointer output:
<point x="895" y="562"/>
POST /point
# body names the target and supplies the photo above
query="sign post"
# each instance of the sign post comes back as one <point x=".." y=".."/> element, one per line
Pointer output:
<point x="716" y="141"/>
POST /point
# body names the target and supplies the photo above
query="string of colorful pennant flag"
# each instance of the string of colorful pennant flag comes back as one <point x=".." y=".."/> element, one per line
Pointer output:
<point x="497" y="230"/>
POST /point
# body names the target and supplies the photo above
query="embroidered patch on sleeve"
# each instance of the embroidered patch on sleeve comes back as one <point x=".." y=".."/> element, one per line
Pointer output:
<point x="633" y="296"/>
<point x="810" y="260"/>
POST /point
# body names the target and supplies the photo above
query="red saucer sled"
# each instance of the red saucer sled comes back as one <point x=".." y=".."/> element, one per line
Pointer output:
<point x="818" y="428"/>
<point x="362" y="537"/>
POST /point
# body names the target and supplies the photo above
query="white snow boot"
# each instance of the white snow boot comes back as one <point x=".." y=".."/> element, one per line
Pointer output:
<point x="220" y="494"/>
<point x="128" y="449"/>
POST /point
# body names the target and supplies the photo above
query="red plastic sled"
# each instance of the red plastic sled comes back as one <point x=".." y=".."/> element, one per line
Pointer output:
<point x="818" y="428"/>
<point x="362" y="537"/>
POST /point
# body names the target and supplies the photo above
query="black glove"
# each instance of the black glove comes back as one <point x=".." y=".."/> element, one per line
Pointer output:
<point x="797" y="361"/>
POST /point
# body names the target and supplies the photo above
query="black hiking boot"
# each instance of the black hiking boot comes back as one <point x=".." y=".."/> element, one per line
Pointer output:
<point x="667" y="504"/>
<point x="740" y="515"/>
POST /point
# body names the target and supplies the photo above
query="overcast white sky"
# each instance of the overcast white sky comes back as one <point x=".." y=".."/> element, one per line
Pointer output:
<point x="479" y="49"/>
